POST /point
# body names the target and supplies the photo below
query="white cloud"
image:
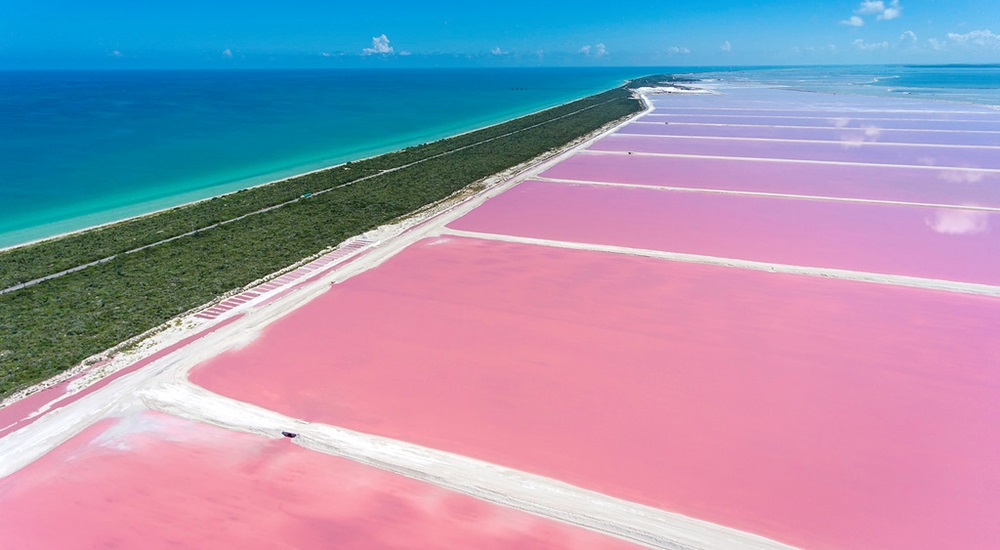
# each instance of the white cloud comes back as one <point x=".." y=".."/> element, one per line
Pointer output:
<point x="726" y="46"/>
<point x="871" y="6"/>
<point x="983" y="38"/>
<point x="959" y="222"/>
<point x="405" y="53"/>
<point x="380" y="45"/>
<point x="813" y="49"/>
<point x="227" y="53"/>
<point x="596" y="50"/>
<point x="678" y="50"/>
<point x="892" y="12"/>
<point x="870" y="46"/>
<point x="908" y="37"/>
<point x="498" y="51"/>
<point x="878" y="8"/>
<point x="976" y="39"/>
<point x="116" y="53"/>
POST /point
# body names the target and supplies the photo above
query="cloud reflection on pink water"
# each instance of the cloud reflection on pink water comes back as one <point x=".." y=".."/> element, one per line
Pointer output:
<point x="946" y="244"/>
<point x="957" y="186"/>
<point x="959" y="222"/>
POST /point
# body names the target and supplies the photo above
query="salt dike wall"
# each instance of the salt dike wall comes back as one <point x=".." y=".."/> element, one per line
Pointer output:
<point x="748" y="318"/>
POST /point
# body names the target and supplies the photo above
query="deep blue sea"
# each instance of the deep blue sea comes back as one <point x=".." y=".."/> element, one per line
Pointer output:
<point x="81" y="148"/>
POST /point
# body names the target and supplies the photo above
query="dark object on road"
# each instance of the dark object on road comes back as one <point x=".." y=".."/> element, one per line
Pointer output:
<point x="290" y="435"/>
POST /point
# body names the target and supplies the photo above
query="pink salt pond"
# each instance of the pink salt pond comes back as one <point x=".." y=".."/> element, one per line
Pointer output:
<point x="775" y="100"/>
<point x="892" y="183"/>
<point x="873" y="132"/>
<point x="155" y="481"/>
<point x="824" y="120"/>
<point x="847" y="151"/>
<point x="937" y="243"/>
<point x="880" y="110"/>
<point x="820" y="413"/>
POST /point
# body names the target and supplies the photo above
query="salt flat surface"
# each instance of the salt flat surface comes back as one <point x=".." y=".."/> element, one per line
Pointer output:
<point x="156" y="481"/>
<point x="890" y="183"/>
<point x="817" y="119"/>
<point x="821" y="413"/>
<point x="935" y="243"/>
<point x="815" y="411"/>
<point x="855" y="152"/>
<point x="869" y="133"/>
<point x="775" y="99"/>
<point x="879" y="111"/>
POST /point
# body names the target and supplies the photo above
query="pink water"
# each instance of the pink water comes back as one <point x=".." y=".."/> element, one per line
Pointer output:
<point x="19" y="414"/>
<point x="155" y="481"/>
<point x="850" y="108"/>
<point x="949" y="244"/>
<point x="803" y="102"/>
<point x="829" y="120"/>
<point x="821" y="413"/>
<point x="872" y="133"/>
<point x="895" y="183"/>
<point x="907" y="155"/>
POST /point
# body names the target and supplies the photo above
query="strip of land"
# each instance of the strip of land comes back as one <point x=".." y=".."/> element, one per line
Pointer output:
<point x="92" y="290"/>
<point x="804" y="356"/>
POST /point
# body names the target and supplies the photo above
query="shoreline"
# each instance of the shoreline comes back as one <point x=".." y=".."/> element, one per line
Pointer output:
<point x="156" y="380"/>
<point x="443" y="178"/>
<point x="108" y="365"/>
<point x="270" y="182"/>
<point x="775" y="313"/>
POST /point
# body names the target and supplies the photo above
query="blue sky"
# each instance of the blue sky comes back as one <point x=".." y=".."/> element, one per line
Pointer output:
<point x="312" y="33"/>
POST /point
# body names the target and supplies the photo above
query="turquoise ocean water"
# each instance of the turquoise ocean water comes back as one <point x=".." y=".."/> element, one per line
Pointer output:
<point x="80" y="148"/>
<point x="976" y="84"/>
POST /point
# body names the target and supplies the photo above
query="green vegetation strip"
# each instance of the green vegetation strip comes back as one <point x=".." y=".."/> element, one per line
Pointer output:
<point x="195" y="231"/>
<point x="52" y="326"/>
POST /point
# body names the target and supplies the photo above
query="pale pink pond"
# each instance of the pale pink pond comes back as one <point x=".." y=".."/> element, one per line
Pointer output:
<point x="821" y="413"/>
<point x="885" y="111"/>
<point x="936" y="243"/>
<point x="895" y="183"/>
<point x="823" y="121"/>
<point x="872" y="133"/>
<point x="879" y="153"/>
<point x="772" y="99"/>
<point x="155" y="481"/>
